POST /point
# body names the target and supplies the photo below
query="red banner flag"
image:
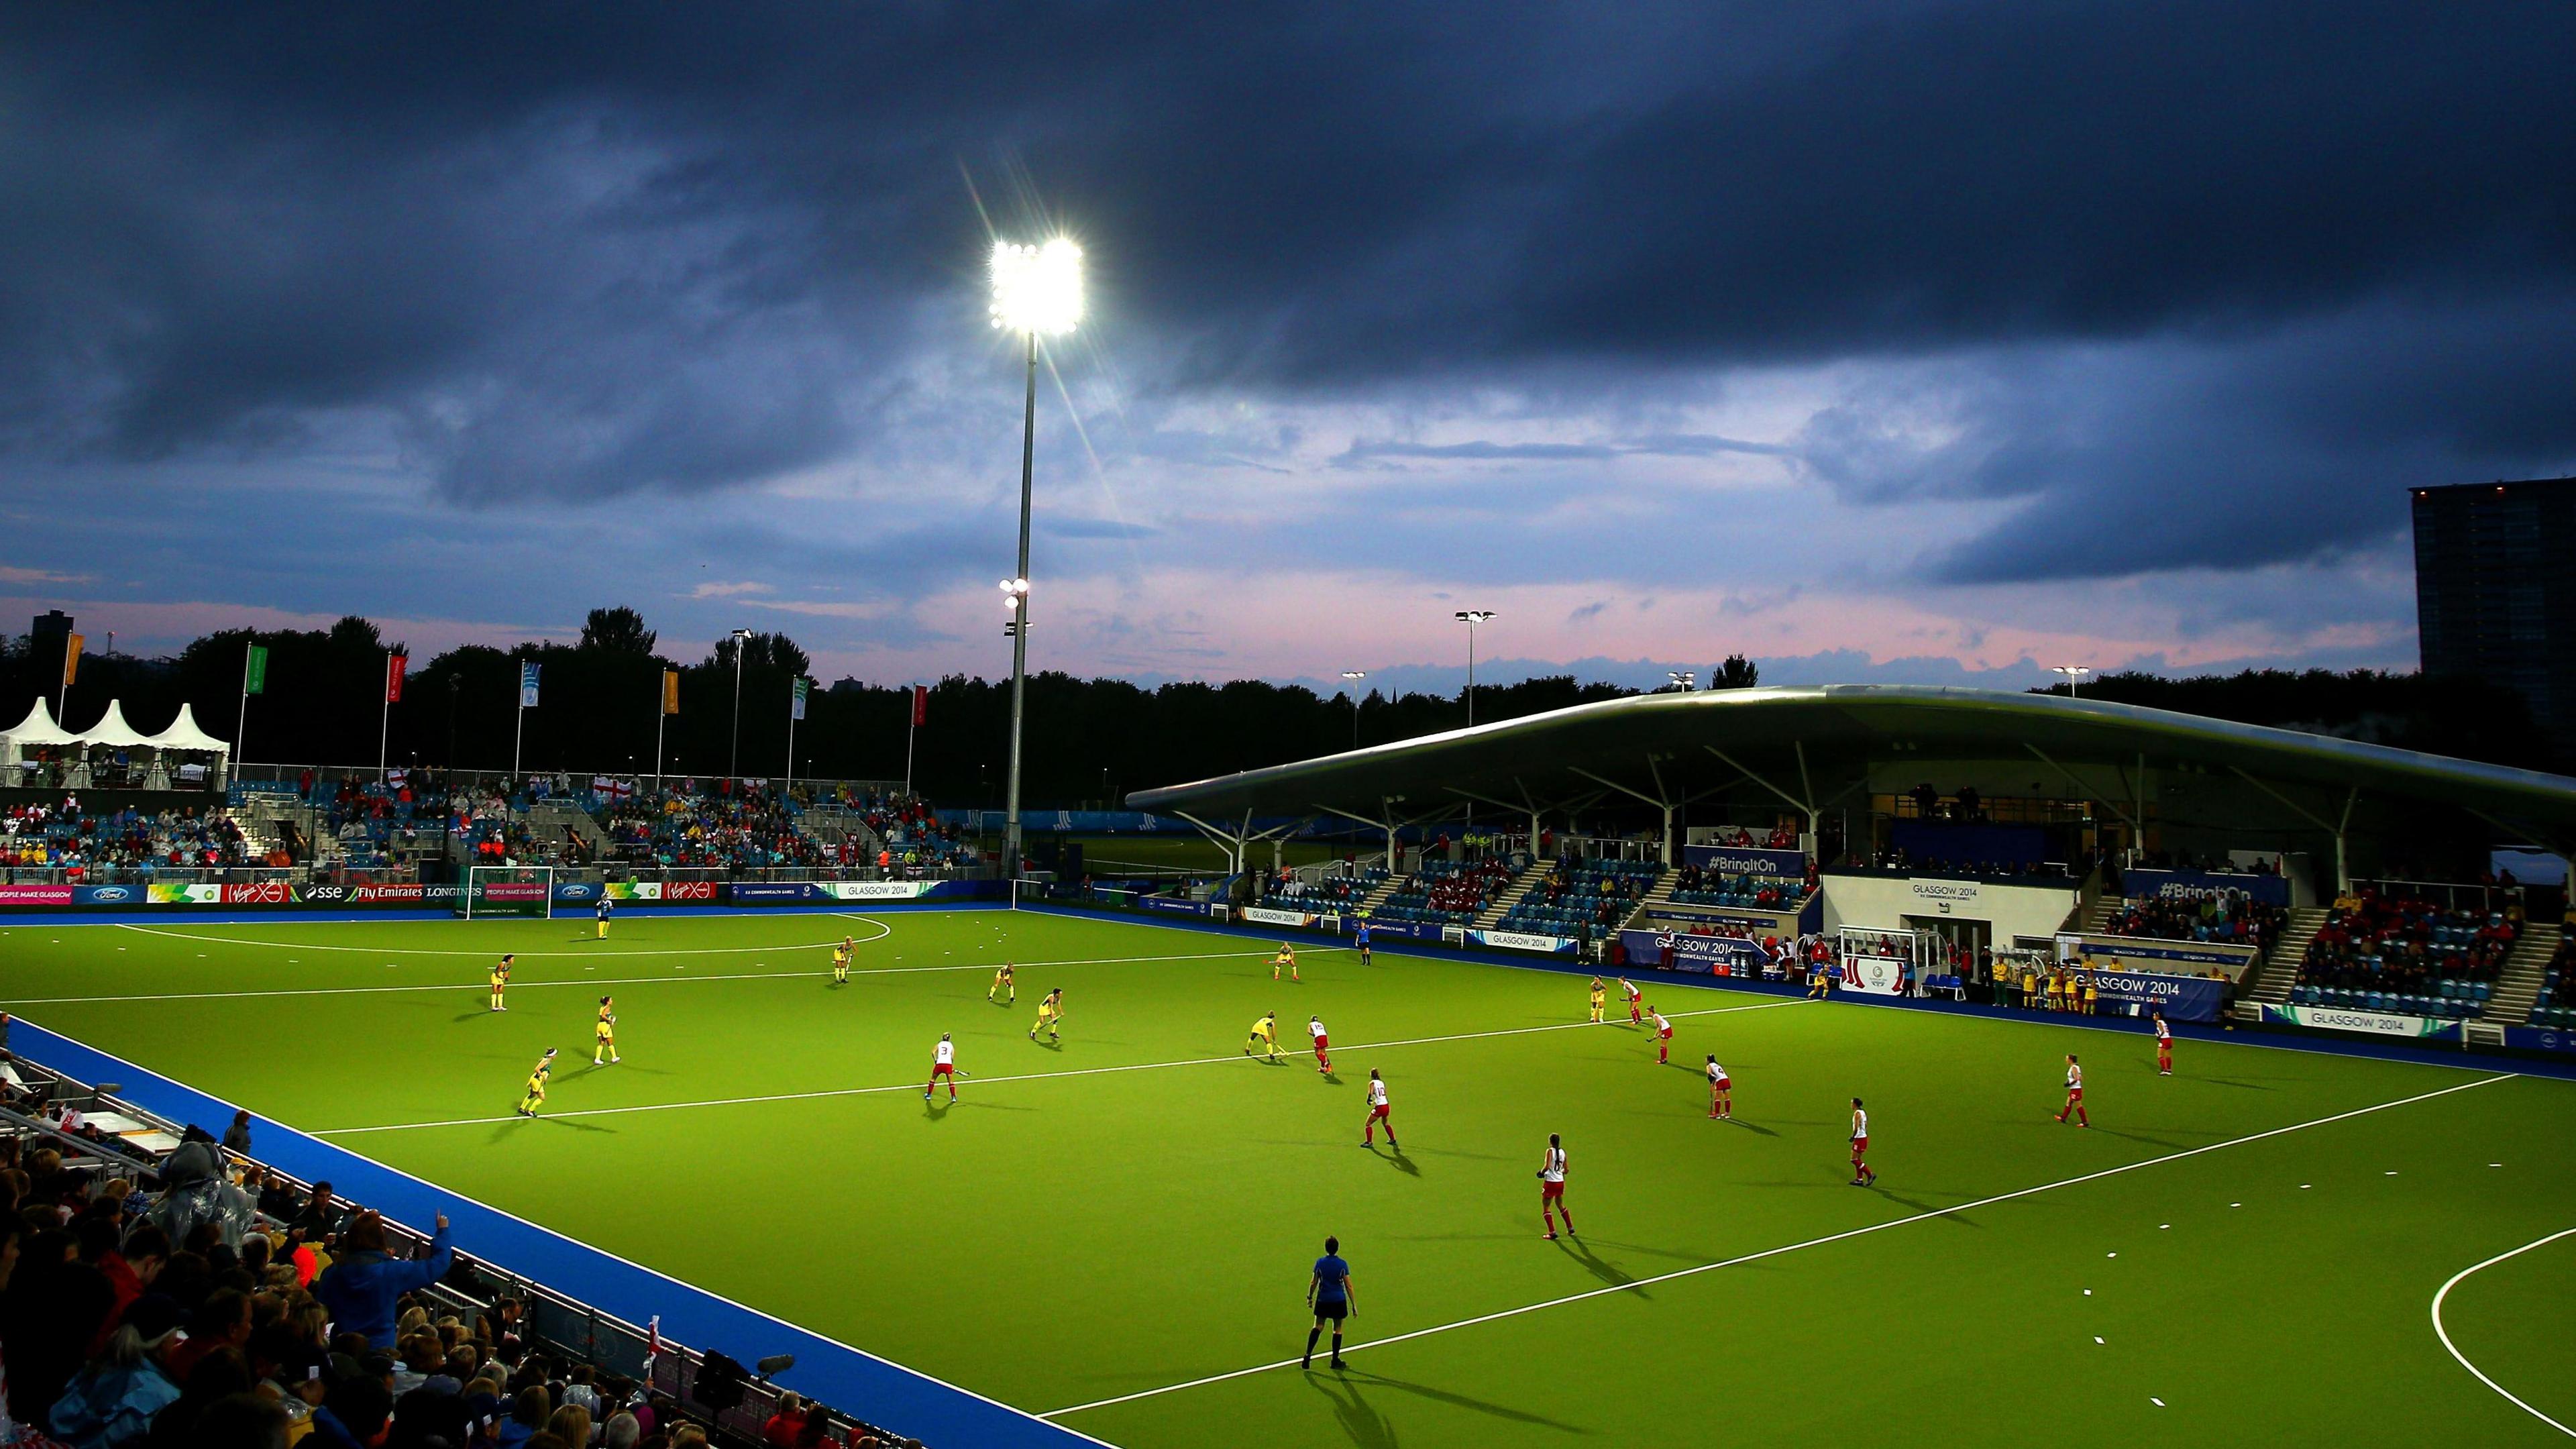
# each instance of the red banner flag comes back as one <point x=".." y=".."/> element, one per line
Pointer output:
<point x="920" y="705"/>
<point x="395" y="664"/>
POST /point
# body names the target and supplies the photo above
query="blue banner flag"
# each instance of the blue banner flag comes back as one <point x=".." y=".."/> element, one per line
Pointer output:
<point x="528" y="686"/>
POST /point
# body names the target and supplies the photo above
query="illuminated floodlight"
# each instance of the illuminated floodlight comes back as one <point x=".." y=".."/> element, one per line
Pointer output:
<point x="1038" y="289"/>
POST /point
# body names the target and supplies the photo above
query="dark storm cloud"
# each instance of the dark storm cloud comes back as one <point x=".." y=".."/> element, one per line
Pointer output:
<point x="578" y="252"/>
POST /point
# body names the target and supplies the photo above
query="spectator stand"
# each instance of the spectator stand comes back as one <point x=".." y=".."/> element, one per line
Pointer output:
<point x="2411" y="948"/>
<point x="1582" y="897"/>
<point x="599" y="1328"/>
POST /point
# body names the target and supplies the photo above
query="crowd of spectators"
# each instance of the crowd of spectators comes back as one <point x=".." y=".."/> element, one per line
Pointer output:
<point x="1448" y="892"/>
<point x="1581" y="897"/>
<point x="1699" y="886"/>
<point x="375" y="820"/>
<point x="913" y="832"/>
<point x="2231" y="917"/>
<point x="1897" y="859"/>
<point x="749" y="828"/>
<point x="2386" y="951"/>
<point x="1331" y="893"/>
<point x="69" y="838"/>
<point x="199" y="1304"/>
<point x="1737" y="837"/>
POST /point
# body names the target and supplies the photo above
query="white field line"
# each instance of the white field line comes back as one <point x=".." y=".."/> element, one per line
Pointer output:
<point x="2444" y="1334"/>
<point x="883" y="931"/>
<point x="1237" y="1056"/>
<point x="1809" y="1243"/>
<point x="478" y="986"/>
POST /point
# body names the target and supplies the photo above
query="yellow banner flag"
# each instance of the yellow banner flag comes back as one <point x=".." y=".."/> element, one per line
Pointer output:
<point x="71" y="658"/>
<point x="670" y="691"/>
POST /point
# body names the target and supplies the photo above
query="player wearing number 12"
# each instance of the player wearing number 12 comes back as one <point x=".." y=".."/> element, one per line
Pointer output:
<point x="1378" y="1113"/>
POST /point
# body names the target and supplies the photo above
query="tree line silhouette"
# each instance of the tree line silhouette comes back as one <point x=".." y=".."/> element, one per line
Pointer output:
<point x="1089" y="741"/>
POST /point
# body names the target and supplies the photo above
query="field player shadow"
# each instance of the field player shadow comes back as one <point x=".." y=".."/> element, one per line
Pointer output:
<point x="506" y="1130"/>
<point x="2139" y="1137"/>
<point x="1749" y="1126"/>
<point x="1593" y="1263"/>
<point x="1398" y="1161"/>
<point x="1352" y="1380"/>
<point x="1365" y="1426"/>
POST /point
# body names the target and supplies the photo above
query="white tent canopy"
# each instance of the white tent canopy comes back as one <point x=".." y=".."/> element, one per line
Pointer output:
<point x="38" y="732"/>
<point x="184" y="734"/>
<point x="112" y="730"/>
<point x="38" y="728"/>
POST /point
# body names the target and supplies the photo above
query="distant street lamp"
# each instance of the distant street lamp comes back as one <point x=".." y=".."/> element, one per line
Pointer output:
<point x="1035" y="289"/>
<point x="1683" y="677"/>
<point x="1471" y="618"/>
<point x="2074" y="675"/>
<point x="733" y="761"/>
<point x="1352" y="678"/>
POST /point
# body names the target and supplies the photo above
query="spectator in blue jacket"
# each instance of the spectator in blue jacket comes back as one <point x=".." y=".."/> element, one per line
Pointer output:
<point x="363" y="1284"/>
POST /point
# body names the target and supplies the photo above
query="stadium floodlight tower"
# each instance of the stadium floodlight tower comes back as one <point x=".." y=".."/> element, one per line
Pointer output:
<point x="733" y="759"/>
<point x="1351" y="681"/>
<point x="1684" y="680"/>
<point x="1036" y="291"/>
<point x="1471" y="618"/>
<point x="2074" y="675"/>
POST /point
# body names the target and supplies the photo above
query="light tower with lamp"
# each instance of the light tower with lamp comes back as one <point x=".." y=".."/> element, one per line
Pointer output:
<point x="1036" y="290"/>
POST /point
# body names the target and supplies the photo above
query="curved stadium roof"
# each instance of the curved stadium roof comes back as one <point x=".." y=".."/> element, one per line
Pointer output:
<point x="1813" y="745"/>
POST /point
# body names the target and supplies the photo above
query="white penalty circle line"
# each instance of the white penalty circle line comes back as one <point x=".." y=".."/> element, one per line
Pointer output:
<point x="883" y="931"/>
<point x="478" y="986"/>
<point x="2444" y="1334"/>
<point x="831" y="1092"/>
<point x="1920" y="1217"/>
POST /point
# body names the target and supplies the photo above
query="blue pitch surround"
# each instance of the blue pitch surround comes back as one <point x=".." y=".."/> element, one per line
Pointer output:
<point x="848" y="1379"/>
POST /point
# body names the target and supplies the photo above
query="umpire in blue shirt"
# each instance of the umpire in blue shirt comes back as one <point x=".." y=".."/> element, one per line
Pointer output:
<point x="1328" y="1293"/>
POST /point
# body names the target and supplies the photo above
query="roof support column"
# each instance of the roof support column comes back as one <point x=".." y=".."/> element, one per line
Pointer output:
<point x="1657" y="799"/>
<point x="2137" y="832"/>
<point x="2340" y="830"/>
<point x="1805" y="806"/>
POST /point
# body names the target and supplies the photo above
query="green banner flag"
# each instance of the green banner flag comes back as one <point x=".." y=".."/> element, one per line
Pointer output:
<point x="255" y="670"/>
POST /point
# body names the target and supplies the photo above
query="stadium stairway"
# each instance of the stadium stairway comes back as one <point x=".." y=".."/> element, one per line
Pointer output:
<point x="549" y="819"/>
<point x="1660" y="895"/>
<point x="2278" y="971"/>
<point x="1510" y="895"/>
<point x="1378" y="893"/>
<point x="2519" y="986"/>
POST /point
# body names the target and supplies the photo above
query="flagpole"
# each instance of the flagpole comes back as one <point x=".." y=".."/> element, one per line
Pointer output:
<point x="911" y="727"/>
<point x="661" y="717"/>
<point x="385" y="721"/>
<point x="241" y="722"/>
<point x="793" y="686"/>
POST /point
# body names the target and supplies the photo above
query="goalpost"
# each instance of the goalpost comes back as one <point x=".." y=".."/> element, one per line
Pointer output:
<point x="507" y="890"/>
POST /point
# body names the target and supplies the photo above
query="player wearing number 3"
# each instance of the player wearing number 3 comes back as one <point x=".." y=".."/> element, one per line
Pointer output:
<point x="943" y="1063"/>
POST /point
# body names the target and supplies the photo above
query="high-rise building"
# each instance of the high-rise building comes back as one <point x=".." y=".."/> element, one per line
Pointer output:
<point x="2495" y="590"/>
